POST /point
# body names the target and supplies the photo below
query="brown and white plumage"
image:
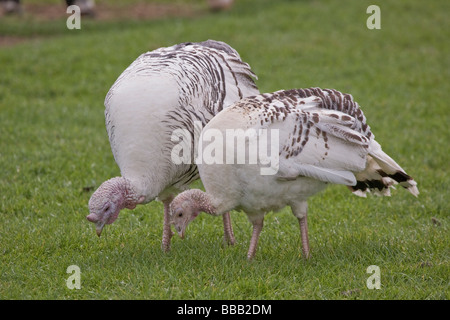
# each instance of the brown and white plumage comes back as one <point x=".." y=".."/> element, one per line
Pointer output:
<point x="323" y="138"/>
<point x="161" y="91"/>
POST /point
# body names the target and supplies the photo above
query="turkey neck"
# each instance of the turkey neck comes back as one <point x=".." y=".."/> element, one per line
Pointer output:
<point x="202" y="200"/>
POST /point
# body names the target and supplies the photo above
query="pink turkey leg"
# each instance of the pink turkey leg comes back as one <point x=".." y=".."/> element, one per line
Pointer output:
<point x="257" y="227"/>
<point x="167" y="231"/>
<point x="229" y="235"/>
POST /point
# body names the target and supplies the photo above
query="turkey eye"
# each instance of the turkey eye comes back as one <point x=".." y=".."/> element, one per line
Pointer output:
<point x="180" y="214"/>
<point x="106" y="209"/>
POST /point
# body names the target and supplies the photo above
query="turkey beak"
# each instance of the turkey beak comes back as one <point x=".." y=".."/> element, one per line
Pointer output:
<point x="180" y="231"/>
<point x="99" y="228"/>
<point x="98" y="223"/>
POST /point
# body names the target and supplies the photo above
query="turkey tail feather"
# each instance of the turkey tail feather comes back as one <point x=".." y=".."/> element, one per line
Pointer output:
<point x="382" y="173"/>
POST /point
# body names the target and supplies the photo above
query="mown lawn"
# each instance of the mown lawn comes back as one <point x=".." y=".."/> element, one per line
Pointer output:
<point x="54" y="153"/>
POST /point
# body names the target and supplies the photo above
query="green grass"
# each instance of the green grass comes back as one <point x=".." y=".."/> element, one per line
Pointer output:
<point x="54" y="152"/>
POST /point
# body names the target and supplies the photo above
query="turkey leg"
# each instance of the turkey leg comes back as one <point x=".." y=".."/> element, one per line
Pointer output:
<point x="228" y="229"/>
<point x="304" y="234"/>
<point x="300" y="210"/>
<point x="257" y="227"/>
<point x="167" y="231"/>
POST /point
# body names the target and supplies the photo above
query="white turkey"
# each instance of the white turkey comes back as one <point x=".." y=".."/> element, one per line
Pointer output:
<point x="175" y="88"/>
<point x="321" y="137"/>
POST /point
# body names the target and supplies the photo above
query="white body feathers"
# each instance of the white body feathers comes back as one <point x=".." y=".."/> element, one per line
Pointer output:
<point x="323" y="138"/>
<point x="166" y="89"/>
